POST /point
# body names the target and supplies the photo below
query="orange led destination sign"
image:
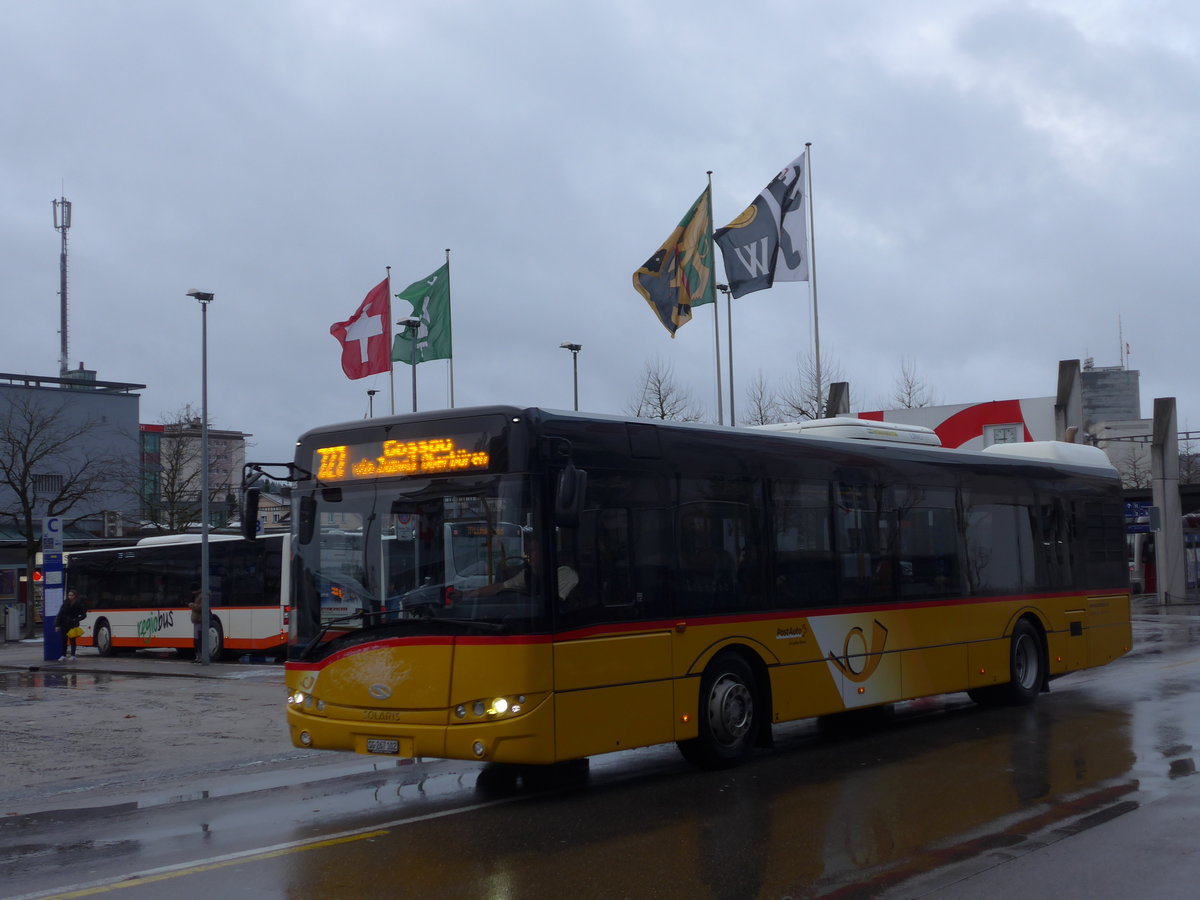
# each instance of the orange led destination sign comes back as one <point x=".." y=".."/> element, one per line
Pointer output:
<point x="380" y="459"/>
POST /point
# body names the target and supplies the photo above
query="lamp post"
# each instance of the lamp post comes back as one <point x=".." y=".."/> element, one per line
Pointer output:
<point x="371" y="403"/>
<point x="205" y="299"/>
<point x="725" y="289"/>
<point x="412" y="323"/>
<point x="574" y="348"/>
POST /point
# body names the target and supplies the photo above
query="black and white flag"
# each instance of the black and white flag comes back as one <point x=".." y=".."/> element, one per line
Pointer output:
<point x="768" y="242"/>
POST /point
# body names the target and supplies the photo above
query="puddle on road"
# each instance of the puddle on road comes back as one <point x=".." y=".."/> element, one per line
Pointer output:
<point x="16" y="680"/>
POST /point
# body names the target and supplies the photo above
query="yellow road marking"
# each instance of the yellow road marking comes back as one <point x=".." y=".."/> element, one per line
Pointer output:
<point x="246" y="856"/>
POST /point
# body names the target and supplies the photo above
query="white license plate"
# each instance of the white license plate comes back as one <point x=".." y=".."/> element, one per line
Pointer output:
<point x="379" y="745"/>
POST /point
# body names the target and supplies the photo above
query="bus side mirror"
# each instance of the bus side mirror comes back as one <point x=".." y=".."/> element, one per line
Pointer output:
<point x="250" y="514"/>
<point x="308" y="518"/>
<point x="568" y="500"/>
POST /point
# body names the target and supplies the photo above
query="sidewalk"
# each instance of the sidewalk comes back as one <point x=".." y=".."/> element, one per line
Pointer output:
<point x="97" y="729"/>
<point x="27" y="655"/>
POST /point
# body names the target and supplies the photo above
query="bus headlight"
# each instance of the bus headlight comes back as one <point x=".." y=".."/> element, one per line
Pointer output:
<point x="504" y="706"/>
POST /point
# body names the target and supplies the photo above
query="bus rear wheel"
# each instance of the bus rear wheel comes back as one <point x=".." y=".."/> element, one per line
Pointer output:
<point x="216" y="639"/>
<point x="1026" y="665"/>
<point x="728" y="722"/>
<point x="1027" y="671"/>
<point x="102" y="638"/>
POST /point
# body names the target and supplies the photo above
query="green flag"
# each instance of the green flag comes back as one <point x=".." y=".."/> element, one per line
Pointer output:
<point x="680" y="275"/>
<point x="430" y="299"/>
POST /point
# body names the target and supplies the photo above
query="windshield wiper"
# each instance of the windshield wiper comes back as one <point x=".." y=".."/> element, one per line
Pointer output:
<point x="480" y="624"/>
<point x="494" y="627"/>
<point x="308" y="648"/>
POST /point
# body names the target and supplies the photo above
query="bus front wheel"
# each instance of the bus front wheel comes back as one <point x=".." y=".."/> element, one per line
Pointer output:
<point x="728" y="722"/>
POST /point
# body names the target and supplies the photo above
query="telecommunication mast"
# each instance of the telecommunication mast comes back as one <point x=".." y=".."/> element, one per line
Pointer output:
<point x="62" y="224"/>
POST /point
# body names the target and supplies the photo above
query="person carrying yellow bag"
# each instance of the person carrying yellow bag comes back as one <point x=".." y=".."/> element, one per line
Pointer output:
<point x="67" y="622"/>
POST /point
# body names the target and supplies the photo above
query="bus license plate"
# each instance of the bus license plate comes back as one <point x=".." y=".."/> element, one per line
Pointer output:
<point x="379" y="745"/>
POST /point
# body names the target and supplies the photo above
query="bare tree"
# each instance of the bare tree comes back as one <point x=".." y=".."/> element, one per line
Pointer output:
<point x="1132" y="463"/>
<point x="1189" y="461"/>
<point x="170" y="490"/>
<point x="659" y="396"/>
<point x="764" y="406"/>
<point x="805" y="395"/>
<point x="48" y="463"/>
<point x="911" y="389"/>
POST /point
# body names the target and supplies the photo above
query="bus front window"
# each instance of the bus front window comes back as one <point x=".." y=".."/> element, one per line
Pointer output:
<point x="387" y="554"/>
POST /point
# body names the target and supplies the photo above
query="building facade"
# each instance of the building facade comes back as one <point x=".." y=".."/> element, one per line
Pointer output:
<point x="68" y="447"/>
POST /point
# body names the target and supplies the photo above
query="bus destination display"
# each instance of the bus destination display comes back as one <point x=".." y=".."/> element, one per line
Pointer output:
<point x="379" y="459"/>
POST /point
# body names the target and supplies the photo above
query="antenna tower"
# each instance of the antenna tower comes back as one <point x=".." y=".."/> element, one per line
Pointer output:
<point x="62" y="224"/>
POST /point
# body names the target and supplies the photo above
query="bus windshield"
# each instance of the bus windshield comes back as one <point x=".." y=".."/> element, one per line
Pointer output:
<point x="393" y="555"/>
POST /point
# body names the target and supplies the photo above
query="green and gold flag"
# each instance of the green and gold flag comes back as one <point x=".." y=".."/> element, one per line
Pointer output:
<point x="680" y="275"/>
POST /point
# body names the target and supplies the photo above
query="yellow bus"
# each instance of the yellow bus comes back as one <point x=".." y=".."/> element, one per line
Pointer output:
<point x="643" y="582"/>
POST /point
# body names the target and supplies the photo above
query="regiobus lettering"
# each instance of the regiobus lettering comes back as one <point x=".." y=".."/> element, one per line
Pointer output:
<point x="151" y="626"/>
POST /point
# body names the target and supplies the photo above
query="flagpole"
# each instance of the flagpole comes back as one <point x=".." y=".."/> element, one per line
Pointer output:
<point x="450" y="326"/>
<point x="391" y="365"/>
<point x="812" y="276"/>
<point x="716" y="319"/>
<point x="729" y="338"/>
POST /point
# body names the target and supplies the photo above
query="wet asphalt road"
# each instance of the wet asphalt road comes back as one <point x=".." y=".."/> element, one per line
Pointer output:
<point x="185" y="780"/>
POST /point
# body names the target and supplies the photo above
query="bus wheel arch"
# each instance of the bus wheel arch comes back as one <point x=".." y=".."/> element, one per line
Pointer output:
<point x="102" y="638"/>
<point x="732" y="712"/>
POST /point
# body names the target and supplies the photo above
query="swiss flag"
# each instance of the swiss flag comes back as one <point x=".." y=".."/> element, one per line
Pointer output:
<point x="366" y="337"/>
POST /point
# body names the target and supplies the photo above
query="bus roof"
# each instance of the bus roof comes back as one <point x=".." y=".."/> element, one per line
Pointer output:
<point x="159" y="539"/>
<point x="1054" y="451"/>
<point x="880" y="436"/>
<point x="858" y="429"/>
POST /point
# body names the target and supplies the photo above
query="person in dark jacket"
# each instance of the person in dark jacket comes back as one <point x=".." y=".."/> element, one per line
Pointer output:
<point x="72" y="613"/>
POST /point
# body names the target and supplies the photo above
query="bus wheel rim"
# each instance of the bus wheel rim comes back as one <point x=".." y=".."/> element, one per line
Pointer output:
<point x="1025" y="663"/>
<point x="730" y="710"/>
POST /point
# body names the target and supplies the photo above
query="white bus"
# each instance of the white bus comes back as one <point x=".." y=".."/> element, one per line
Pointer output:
<point x="137" y="596"/>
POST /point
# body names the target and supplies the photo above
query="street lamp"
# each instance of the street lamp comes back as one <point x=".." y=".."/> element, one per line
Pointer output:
<point x="205" y="299"/>
<point x="413" y="323"/>
<point x="371" y="403"/>
<point x="574" y="348"/>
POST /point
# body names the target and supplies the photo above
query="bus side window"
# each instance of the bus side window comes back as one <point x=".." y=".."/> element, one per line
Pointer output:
<point x="999" y="542"/>
<point x="864" y="538"/>
<point x="623" y="548"/>
<point x="927" y="542"/>
<point x="599" y="551"/>
<point x="804" y="566"/>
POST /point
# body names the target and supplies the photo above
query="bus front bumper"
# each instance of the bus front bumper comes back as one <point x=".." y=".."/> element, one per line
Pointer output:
<point x="525" y="738"/>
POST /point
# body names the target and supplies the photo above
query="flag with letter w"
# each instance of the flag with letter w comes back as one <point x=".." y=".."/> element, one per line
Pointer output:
<point x="430" y="299"/>
<point x="680" y="275"/>
<point x="768" y="242"/>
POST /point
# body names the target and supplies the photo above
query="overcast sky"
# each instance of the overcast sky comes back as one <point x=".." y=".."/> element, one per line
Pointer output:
<point x="997" y="186"/>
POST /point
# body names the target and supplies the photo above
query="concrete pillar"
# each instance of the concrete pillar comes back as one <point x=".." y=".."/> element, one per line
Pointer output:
<point x="839" y="400"/>
<point x="1068" y="406"/>
<point x="1164" y="471"/>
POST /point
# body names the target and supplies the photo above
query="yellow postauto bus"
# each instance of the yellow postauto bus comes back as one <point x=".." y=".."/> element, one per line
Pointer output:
<point x="641" y="582"/>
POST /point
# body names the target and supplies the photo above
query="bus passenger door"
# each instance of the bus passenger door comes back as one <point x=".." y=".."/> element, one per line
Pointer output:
<point x="612" y="673"/>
